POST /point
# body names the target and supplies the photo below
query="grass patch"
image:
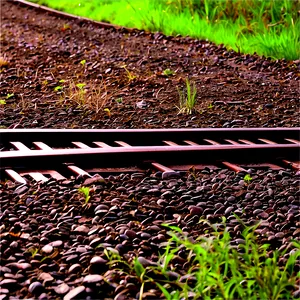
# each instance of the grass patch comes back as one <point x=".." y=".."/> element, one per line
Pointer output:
<point x="187" y="98"/>
<point x="215" y="267"/>
<point x="269" y="27"/>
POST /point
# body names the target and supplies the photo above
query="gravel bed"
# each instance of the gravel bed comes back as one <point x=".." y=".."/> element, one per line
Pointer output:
<point x="53" y="245"/>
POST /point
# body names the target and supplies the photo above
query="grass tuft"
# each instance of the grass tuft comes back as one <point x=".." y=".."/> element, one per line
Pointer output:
<point x="3" y="62"/>
<point x="187" y="99"/>
<point x="215" y="267"/>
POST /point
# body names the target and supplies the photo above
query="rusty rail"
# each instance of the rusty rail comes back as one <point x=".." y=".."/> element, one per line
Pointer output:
<point x="40" y="152"/>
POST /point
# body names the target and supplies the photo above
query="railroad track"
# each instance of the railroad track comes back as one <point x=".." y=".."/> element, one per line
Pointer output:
<point x="40" y="154"/>
<point x="68" y="16"/>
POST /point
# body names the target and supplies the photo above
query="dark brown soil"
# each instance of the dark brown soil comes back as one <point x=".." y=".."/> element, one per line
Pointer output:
<point x="43" y="50"/>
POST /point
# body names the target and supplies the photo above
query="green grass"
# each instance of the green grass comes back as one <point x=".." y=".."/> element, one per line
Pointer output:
<point x="187" y="99"/>
<point x="267" y="27"/>
<point x="215" y="268"/>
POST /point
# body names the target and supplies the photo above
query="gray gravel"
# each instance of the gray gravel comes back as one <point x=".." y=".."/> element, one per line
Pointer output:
<point x="52" y="245"/>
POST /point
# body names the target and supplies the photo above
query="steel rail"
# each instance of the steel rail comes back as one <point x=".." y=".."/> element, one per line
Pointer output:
<point x="124" y="156"/>
<point x="147" y="137"/>
<point x="39" y="153"/>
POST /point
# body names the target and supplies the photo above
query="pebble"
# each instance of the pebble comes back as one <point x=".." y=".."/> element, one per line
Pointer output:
<point x="130" y="224"/>
<point x="47" y="249"/>
<point x="257" y="203"/>
<point x="228" y="210"/>
<point x="75" y="268"/>
<point x="45" y="277"/>
<point x="81" y="229"/>
<point x="62" y="289"/>
<point x="10" y="284"/>
<point x="92" y="278"/>
<point x="195" y="210"/>
<point x="130" y="233"/>
<point x="170" y="175"/>
<point x="36" y="288"/>
<point x="76" y="293"/>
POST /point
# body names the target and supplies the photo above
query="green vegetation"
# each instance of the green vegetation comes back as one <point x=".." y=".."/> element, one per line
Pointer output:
<point x="269" y="27"/>
<point x="91" y="97"/>
<point x="86" y="192"/>
<point x="247" y="178"/>
<point x="168" y="72"/>
<point x="130" y="76"/>
<point x="187" y="99"/>
<point x="216" y="267"/>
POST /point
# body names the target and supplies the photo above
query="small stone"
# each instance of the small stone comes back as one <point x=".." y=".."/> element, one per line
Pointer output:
<point x="95" y="278"/>
<point x="170" y="175"/>
<point x="145" y="236"/>
<point x="145" y="262"/>
<point x="264" y="215"/>
<point x="296" y="294"/>
<point x="142" y="104"/>
<point x="269" y="105"/>
<point x="279" y="235"/>
<point x="231" y="198"/>
<point x="102" y="207"/>
<point x="10" y="284"/>
<point x="248" y="196"/>
<point x="130" y="233"/>
<point x="257" y="211"/>
<point x="62" y="289"/>
<point x="195" y="210"/>
<point x="81" y="229"/>
<point x="45" y="277"/>
<point x="43" y="296"/>
<point x="47" y="249"/>
<point x="57" y="243"/>
<point x="36" y="288"/>
<point x="76" y="293"/>
<point x="257" y="203"/>
<point x="95" y="179"/>
<point x="153" y="191"/>
<point x="19" y="266"/>
<point x="4" y="291"/>
<point x="228" y="210"/>
<point x="98" y="260"/>
<point x="75" y="269"/>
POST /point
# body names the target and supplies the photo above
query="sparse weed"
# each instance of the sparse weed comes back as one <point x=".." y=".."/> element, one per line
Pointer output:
<point x="187" y="99"/>
<point x="130" y="76"/>
<point x="8" y="96"/>
<point x="168" y="72"/>
<point x="107" y="111"/>
<point x="58" y="88"/>
<point x="119" y="100"/>
<point x="3" y="61"/>
<point x="34" y="251"/>
<point x="91" y="97"/>
<point x="247" y="178"/>
<point x="86" y="192"/>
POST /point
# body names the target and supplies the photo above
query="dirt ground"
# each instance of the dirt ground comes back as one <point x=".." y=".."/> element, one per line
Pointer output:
<point x="59" y="73"/>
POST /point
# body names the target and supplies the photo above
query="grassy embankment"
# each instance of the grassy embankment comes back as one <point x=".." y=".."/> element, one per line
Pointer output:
<point x="269" y="27"/>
